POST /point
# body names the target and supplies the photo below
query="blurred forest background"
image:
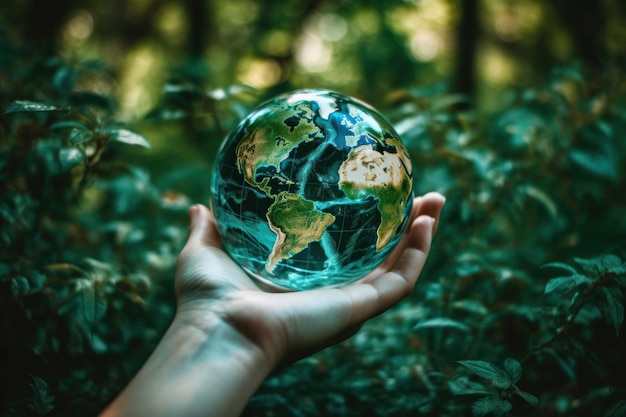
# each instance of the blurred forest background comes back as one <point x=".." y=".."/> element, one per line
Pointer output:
<point x="514" y="109"/>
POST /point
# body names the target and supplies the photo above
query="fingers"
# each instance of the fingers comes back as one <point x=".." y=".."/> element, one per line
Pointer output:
<point x="375" y="295"/>
<point x="203" y="228"/>
<point x="430" y="205"/>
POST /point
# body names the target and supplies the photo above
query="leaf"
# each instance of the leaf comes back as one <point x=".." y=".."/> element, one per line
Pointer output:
<point x="567" y="363"/>
<point x="617" y="410"/>
<point x="611" y="261"/>
<point x="614" y="264"/>
<point x="78" y="136"/>
<point x="542" y="198"/>
<point x="613" y="310"/>
<point x="94" y="303"/>
<point x="487" y="405"/>
<point x="483" y="369"/>
<point x="41" y="401"/>
<point x="441" y="322"/>
<point x="20" y="286"/>
<point x="463" y="386"/>
<point x="564" y="285"/>
<point x="513" y="368"/>
<point x="64" y="79"/>
<point x="560" y="266"/>
<point x="590" y="266"/>
<point x="65" y="267"/>
<point x="70" y="157"/>
<point x="529" y="398"/>
<point x="471" y="306"/>
<point x="23" y="106"/>
<point x="130" y="138"/>
<point x="596" y="162"/>
<point x="231" y="90"/>
<point x="68" y="124"/>
<point x="502" y="382"/>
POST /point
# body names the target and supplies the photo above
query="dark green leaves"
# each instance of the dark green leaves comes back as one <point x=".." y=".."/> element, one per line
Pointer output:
<point x="41" y="400"/>
<point x="613" y="309"/>
<point x="503" y="385"/>
<point x="565" y="285"/>
<point x="616" y="410"/>
<point x="602" y="274"/>
<point x="484" y="369"/>
<point x="513" y="369"/>
<point x="489" y="405"/>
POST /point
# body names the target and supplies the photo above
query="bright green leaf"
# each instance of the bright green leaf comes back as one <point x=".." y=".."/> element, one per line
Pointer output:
<point x="71" y="157"/>
<point x="78" y="136"/>
<point x="22" y="106"/>
<point x="595" y="162"/>
<point x="130" y="138"/>
<point x="442" y="322"/>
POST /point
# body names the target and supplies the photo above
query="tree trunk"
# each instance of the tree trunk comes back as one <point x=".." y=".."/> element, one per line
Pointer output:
<point x="467" y="33"/>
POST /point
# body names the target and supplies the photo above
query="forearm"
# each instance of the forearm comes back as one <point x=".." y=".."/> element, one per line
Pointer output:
<point x="200" y="368"/>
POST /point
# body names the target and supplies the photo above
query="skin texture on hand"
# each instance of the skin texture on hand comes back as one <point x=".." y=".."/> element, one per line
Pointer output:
<point x="228" y="334"/>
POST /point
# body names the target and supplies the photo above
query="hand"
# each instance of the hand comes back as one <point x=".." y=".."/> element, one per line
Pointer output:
<point x="287" y="326"/>
<point x="228" y="335"/>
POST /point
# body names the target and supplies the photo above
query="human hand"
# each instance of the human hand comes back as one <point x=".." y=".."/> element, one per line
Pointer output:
<point x="228" y="334"/>
<point x="282" y="327"/>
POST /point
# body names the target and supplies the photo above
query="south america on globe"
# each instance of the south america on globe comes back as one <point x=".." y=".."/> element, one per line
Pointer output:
<point x="312" y="189"/>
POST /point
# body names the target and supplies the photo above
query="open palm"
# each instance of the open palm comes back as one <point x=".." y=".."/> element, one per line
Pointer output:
<point x="286" y="326"/>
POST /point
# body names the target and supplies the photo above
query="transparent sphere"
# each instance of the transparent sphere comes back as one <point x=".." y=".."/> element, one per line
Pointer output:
<point x="312" y="189"/>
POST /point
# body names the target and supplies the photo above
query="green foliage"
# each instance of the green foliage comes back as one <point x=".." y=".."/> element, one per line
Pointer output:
<point x="524" y="288"/>
<point x="519" y="312"/>
<point x="88" y="245"/>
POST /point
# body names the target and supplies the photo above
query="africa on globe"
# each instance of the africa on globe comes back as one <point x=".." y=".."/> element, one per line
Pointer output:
<point x="312" y="189"/>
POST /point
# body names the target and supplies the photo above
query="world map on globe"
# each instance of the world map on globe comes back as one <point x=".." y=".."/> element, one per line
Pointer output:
<point x="312" y="189"/>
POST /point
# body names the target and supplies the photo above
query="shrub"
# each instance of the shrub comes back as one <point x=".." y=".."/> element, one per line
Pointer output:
<point x="519" y="311"/>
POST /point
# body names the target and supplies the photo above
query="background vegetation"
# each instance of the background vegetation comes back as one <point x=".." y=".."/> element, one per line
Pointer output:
<point x="515" y="110"/>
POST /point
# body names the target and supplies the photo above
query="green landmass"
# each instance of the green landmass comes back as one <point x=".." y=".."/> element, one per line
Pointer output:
<point x="296" y="223"/>
<point x="384" y="175"/>
<point x="269" y="143"/>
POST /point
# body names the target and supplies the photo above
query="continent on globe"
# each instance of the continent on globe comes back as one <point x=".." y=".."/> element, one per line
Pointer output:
<point x="296" y="223"/>
<point x="369" y="172"/>
<point x="312" y="189"/>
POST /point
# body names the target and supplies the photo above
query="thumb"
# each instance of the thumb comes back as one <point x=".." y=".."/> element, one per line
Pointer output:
<point x="202" y="228"/>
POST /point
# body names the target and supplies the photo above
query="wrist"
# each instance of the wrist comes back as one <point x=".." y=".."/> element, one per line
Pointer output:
<point x="202" y="327"/>
<point x="200" y="364"/>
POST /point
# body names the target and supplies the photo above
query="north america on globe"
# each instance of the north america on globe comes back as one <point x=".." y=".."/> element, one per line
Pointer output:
<point x="312" y="189"/>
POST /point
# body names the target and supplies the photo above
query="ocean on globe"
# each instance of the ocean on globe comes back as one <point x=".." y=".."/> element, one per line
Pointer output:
<point x="312" y="189"/>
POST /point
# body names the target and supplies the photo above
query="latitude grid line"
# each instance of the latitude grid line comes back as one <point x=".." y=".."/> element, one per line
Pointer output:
<point x="306" y="263"/>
